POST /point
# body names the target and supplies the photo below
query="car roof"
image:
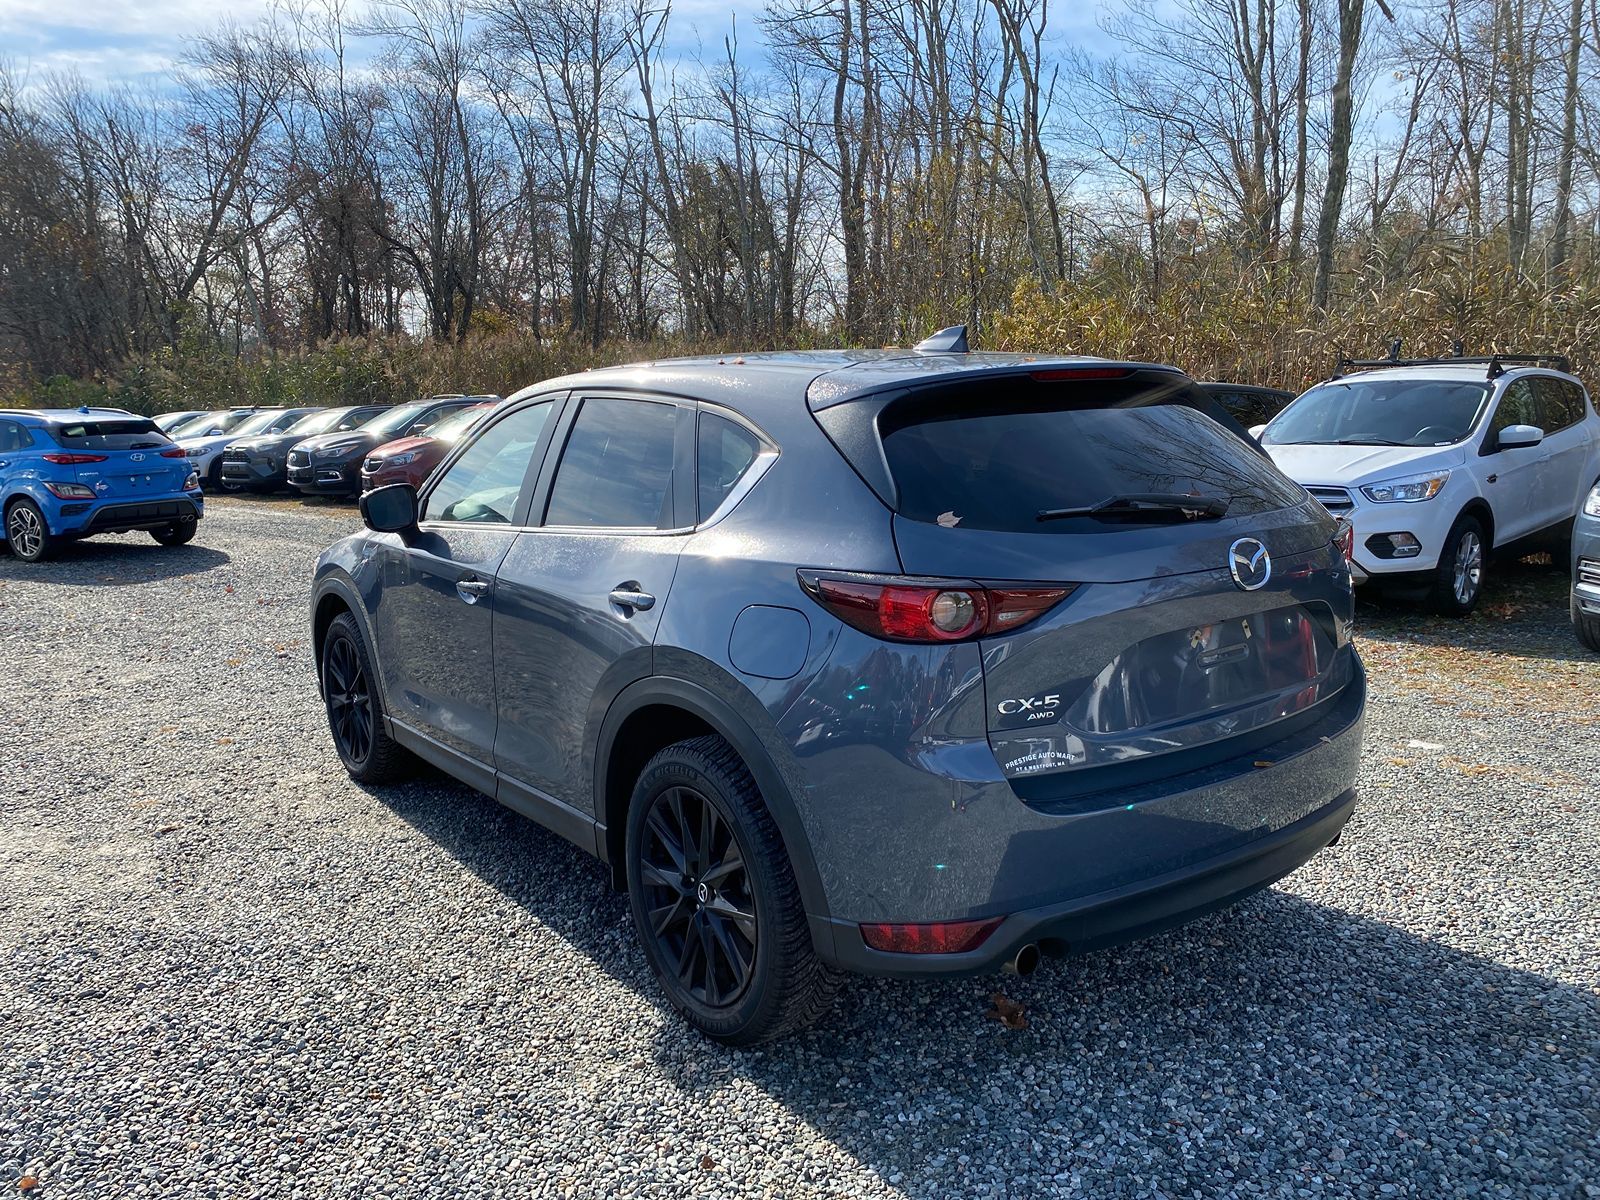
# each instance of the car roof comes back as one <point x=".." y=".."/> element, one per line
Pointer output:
<point x="63" y="416"/>
<point x="818" y="378"/>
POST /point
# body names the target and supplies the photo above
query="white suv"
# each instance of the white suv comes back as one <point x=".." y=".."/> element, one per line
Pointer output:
<point x="1436" y="462"/>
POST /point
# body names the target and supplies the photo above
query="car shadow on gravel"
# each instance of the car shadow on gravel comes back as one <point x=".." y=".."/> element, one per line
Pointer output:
<point x="107" y="563"/>
<point x="1278" y="1039"/>
<point x="1523" y="613"/>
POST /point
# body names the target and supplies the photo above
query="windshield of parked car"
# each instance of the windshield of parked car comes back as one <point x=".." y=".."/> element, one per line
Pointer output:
<point x="318" y="422"/>
<point x="259" y="422"/>
<point x="391" y="423"/>
<point x="450" y="428"/>
<point x="224" y="420"/>
<point x="1380" y="412"/>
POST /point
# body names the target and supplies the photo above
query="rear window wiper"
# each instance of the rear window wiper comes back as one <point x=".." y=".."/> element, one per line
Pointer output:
<point x="1173" y="504"/>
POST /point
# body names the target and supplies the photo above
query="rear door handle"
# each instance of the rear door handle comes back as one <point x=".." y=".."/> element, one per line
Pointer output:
<point x="629" y="598"/>
<point x="471" y="589"/>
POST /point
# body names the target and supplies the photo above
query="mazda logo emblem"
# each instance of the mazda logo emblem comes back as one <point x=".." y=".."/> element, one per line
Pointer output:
<point x="1249" y="564"/>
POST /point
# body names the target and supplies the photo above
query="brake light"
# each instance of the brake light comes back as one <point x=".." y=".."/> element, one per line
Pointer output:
<point x="174" y="452"/>
<point x="72" y="460"/>
<point x="898" y="609"/>
<point x="1057" y="376"/>
<point x="936" y="937"/>
<point x="1344" y="537"/>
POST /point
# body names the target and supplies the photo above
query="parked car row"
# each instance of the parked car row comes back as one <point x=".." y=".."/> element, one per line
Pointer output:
<point x="316" y="451"/>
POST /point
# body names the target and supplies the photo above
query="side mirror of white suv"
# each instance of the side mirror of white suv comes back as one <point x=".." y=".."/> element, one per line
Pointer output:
<point x="1257" y="430"/>
<point x="1514" y="437"/>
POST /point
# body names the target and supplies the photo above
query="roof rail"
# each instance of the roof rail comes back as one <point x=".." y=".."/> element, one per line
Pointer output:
<point x="1495" y="363"/>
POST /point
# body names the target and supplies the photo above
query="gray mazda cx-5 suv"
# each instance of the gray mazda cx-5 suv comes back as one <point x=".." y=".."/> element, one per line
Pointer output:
<point x="895" y="662"/>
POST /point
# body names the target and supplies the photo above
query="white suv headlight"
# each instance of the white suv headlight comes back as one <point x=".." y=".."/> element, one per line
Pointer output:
<point x="1407" y="489"/>
<point x="1591" y="505"/>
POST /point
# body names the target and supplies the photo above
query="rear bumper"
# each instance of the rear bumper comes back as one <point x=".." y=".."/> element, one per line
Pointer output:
<point x="120" y="516"/>
<point x="1114" y="917"/>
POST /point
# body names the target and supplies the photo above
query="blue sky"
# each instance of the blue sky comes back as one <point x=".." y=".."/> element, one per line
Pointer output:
<point x="132" y="41"/>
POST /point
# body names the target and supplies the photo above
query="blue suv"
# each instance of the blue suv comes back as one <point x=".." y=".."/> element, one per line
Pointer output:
<point x="71" y="473"/>
<point x="895" y="662"/>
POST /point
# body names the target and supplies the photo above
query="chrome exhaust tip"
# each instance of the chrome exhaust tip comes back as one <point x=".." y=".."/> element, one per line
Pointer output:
<point x="1025" y="961"/>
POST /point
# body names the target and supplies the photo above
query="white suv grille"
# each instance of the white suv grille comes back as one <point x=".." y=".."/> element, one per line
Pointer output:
<point x="1335" y="499"/>
<point x="1589" y="571"/>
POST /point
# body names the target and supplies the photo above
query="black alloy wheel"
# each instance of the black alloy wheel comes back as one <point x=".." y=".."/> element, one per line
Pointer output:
<point x="715" y="901"/>
<point x="698" y="901"/>
<point x="355" y="706"/>
<point x="349" y="700"/>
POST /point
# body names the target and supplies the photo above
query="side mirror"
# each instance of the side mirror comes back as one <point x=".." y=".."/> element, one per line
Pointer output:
<point x="1257" y="430"/>
<point x="215" y="431"/>
<point x="1514" y="437"/>
<point x="391" y="509"/>
<point x="420" y="429"/>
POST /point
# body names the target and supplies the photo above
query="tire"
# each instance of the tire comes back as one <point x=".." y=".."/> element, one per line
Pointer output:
<point x="733" y="905"/>
<point x="1586" y="626"/>
<point x="354" y="705"/>
<point x="177" y="534"/>
<point x="27" y="532"/>
<point x="1458" y="579"/>
<point x="214" y="477"/>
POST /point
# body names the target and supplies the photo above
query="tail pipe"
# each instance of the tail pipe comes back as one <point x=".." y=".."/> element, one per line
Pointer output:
<point x="1024" y="961"/>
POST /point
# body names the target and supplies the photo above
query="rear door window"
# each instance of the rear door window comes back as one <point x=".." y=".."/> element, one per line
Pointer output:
<point x="996" y="466"/>
<point x="126" y="434"/>
<point x="1560" y="400"/>
<point x="13" y="437"/>
<point x="617" y="469"/>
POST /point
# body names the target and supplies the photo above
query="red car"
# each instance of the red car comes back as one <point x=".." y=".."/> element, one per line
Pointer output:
<point x="409" y="459"/>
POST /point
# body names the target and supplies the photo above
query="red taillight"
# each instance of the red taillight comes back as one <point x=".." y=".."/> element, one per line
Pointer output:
<point x="174" y="452"/>
<point x="928" y="610"/>
<point x="1344" y="537"/>
<point x="72" y="460"/>
<point x="935" y="937"/>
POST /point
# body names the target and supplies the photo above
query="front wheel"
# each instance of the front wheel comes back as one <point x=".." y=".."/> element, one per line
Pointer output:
<point x="715" y="901"/>
<point x="176" y="534"/>
<point x="355" y="709"/>
<point x="1586" y="626"/>
<point x="1458" y="579"/>
<point x="26" y="531"/>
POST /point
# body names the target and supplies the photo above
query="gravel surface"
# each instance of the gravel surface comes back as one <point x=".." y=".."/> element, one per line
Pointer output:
<point x="229" y="971"/>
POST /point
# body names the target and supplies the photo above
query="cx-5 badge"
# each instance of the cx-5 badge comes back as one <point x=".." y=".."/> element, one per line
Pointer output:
<point x="1249" y="564"/>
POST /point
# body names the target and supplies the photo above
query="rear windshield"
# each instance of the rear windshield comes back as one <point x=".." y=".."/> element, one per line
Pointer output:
<point x="999" y="465"/>
<point x="135" y="433"/>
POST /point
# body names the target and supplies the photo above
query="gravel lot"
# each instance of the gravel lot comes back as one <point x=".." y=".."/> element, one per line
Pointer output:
<point x="228" y="971"/>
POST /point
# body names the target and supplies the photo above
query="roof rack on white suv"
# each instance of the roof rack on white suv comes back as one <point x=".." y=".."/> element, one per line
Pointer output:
<point x="1496" y="363"/>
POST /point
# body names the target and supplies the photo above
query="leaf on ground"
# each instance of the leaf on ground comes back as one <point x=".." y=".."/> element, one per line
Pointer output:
<point x="27" y="1183"/>
<point x="707" y="1162"/>
<point x="228" y="589"/>
<point x="1262" y="762"/>
<point x="1007" y="1011"/>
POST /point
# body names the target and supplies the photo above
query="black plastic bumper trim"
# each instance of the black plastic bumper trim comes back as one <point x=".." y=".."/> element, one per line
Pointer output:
<point x="1114" y="917"/>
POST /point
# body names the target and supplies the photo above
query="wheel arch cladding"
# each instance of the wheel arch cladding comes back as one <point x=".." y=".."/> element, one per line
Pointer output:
<point x="655" y="713"/>
<point x="1480" y="508"/>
